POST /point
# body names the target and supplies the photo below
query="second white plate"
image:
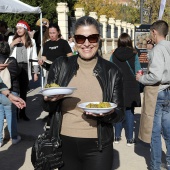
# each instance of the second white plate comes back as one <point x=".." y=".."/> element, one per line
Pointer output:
<point x="96" y="110"/>
<point x="57" y="91"/>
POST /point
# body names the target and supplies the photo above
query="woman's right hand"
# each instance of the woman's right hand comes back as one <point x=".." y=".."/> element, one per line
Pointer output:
<point x="41" y="61"/>
<point x="15" y="42"/>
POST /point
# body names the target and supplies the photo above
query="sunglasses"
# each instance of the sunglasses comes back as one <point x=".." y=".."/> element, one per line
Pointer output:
<point x="80" y="39"/>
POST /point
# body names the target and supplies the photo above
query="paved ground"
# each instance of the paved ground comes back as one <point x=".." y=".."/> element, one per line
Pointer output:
<point x="17" y="157"/>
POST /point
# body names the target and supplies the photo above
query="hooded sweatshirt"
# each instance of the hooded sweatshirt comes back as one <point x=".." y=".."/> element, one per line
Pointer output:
<point x="124" y="58"/>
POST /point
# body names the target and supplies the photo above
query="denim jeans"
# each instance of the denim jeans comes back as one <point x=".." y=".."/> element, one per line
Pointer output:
<point x="161" y="125"/>
<point x="128" y="122"/>
<point x="8" y="110"/>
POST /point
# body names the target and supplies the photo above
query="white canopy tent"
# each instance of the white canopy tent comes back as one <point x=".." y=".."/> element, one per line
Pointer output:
<point x="16" y="6"/>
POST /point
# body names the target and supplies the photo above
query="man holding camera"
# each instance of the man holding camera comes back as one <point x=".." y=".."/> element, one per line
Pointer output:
<point x="37" y="34"/>
<point x="5" y="33"/>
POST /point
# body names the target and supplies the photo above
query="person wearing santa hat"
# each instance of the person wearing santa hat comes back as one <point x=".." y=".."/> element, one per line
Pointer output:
<point x="23" y="48"/>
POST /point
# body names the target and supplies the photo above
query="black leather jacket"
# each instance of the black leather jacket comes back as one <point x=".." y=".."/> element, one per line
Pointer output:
<point x="110" y="80"/>
<point x="14" y="71"/>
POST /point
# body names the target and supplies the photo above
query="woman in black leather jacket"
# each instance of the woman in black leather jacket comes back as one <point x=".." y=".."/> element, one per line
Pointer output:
<point x="87" y="138"/>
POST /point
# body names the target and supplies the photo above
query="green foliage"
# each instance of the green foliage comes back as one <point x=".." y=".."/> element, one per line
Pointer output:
<point x="48" y="8"/>
<point x="110" y="9"/>
<point x="130" y="13"/>
<point x="151" y="10"/>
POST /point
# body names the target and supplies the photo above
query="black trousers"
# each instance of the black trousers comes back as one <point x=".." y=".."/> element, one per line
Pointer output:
<point x="23" y="82"/>
<point x="83" y="154"/>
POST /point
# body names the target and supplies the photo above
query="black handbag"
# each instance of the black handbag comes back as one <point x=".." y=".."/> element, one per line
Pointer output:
<point x="46" y="153"/>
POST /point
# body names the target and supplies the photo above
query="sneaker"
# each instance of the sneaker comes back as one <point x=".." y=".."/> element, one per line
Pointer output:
<point x="131" y="142"/>
<point x="117" y="140"/>
<point x="15" y="141"/>
<point x="1" y="144"/>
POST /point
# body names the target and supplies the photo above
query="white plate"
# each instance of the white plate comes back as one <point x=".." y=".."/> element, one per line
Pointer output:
<point x="48" y="61"/>
<point x="57" y="91"/>
<point x="96" y="110"/>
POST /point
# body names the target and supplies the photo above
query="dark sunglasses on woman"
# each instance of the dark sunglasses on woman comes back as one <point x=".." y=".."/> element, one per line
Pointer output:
<point x="80" y="39"/>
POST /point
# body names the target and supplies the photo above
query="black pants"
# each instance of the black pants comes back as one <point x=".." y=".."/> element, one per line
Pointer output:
<point x="23" y="82"/>
<point x="83" y="154"/>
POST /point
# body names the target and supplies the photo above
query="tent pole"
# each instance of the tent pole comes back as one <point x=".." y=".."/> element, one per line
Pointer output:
<point x="41" y="50"/>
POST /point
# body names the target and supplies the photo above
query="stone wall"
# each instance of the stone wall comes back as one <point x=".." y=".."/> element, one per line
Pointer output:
<point x="110" y="28"/>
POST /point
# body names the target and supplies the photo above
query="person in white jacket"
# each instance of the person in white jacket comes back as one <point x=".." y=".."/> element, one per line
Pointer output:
<point x="23" y="48"/>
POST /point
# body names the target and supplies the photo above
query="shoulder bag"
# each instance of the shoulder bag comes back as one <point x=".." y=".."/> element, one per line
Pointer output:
<point x="46" y="154"/>
<point x="141" y="86"/>
<point x="5" y="76"/>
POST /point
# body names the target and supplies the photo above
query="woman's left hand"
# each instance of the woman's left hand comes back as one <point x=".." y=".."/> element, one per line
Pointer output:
<point x="35" y="77"/>
<point x="99" y="115"/>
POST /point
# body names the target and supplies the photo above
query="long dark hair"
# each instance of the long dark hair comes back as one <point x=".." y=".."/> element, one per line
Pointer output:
<point x="28" y="42"/>
<point x="125" y="40"/>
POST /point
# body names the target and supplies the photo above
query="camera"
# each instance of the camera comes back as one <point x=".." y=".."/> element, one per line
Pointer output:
<point x="44" y="23"/>
<point x="149" y="42"/>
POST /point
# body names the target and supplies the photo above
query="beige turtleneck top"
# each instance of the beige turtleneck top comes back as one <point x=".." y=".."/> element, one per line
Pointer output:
<point x="75" y="123"/>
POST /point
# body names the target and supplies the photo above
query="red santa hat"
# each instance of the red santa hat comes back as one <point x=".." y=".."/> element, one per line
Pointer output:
<point x="23" y="24"/>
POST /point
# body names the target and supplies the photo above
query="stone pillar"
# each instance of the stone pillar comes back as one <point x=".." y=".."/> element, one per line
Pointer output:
<point x="133" y="33"/>
<point x="62" y="11"/>
<point x="124" y="23"/>
<point x="129" y="28"/>
<point x="112" y="24"/>
<point x="103" y="21"/>
<point x="118" y="25"/>
<point x="93" y="14"/>
<point x="79" y="13"/>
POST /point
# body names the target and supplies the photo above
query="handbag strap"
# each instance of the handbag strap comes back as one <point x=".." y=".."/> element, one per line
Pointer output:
<point x="55" y="125"/>
<point x="6" y="60"/>
<point x="130" y="68"/>
<point x="137" y="63"/>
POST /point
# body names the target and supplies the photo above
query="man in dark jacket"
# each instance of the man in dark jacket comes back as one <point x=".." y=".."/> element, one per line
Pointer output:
<point x="5" y="33"/>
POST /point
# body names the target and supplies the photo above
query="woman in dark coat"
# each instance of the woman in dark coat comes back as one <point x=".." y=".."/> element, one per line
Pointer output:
<point x="125" y="57"/>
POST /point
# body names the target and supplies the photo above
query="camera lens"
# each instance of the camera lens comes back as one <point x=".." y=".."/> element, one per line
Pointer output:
<point x="45" y="23"/>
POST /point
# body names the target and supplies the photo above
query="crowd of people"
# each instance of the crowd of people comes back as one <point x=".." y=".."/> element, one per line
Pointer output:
<point x="77" y="62"/>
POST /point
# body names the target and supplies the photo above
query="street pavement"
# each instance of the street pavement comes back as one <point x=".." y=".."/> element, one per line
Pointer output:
<point x="18" y="157"/>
